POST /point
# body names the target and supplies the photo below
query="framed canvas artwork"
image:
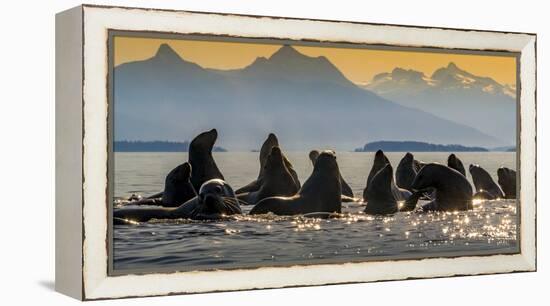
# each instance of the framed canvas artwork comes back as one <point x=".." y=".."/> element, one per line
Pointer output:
<point x="202" y="152"/>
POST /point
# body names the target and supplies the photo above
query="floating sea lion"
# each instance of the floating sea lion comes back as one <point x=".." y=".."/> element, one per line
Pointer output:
<point x="346" y="189"/>
<point x="453" y="191"/>
<point x="269" y="143"/>
<point x="383" y="193"/>
<point x="380" y="160"/>
<point x="276" y="180"/>
<point x="486" y="188"/>
<point x="216" y="200"/>
<point x="507" y="181"/>
<point x="406" y="172"/>
<point x="177" y="189"/>
<point x="201" y="160"/>
<point x="320" y="193"/>
<point x="177" y="186"/>
<point x="455" y="163"/>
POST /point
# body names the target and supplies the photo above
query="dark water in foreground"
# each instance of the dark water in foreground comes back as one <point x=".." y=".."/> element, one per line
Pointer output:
<point x="246" y="241"/>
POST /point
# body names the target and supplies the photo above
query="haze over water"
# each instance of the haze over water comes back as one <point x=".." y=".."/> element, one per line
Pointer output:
<point x="247" y="241"/>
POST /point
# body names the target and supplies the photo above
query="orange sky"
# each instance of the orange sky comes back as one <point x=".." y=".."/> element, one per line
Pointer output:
<point x="358" y="65"/>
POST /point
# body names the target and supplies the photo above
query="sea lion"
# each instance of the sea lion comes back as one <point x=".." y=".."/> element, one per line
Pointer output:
<point x="455" y="163"/>
<point x="269" y="143"/>
<point x="321" y="192"/>
<point x="177" y="186"/>
<point x="486" y="188"/>
<point x="383" y="193"/>
<point x="380" y="160"/>
<point x="507" y="182"/>
<point x="177" y="189"/>
<point x="276" y="180"/>
<point x="216" y="200"/>
<point x="406" y="172"/>
<point x="452" y="189"/>
<point x="346" y="189"/>
<point x="201" y="160"/>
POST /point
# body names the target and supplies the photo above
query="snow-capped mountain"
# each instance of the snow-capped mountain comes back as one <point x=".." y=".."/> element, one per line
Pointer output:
<point x="455" y="94"/>
<point x="305" y="100"/>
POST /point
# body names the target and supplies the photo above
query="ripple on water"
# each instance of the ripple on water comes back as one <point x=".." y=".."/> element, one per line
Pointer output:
<point x="244" y="241"/>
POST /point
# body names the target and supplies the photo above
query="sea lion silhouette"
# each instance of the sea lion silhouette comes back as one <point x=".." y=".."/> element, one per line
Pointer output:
<point x="201" y="160"/>
<point x="384" y="194"/>
<point x="276" y="180"/>
<point x="268" y="144"/>
<point x="321" y="192"/>
<point x="380" y="160"/>
<point x="452" y="189"/>
<point x="507" y="182"/>
<point x="346" y="189"/>
<point x="216" y="200"/>
<point x="486" y="188"/>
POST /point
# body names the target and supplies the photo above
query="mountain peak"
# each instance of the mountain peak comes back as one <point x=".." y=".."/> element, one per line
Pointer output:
<point x="453" y="66"/>
<point x="289" y="63"/>
<point x="166" y="52"/>
<point x="286" y="52"/>
<point x="408" y="74"/>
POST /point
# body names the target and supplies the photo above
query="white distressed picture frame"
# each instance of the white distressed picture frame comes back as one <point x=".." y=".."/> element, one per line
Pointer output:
<point x="82" y="148"/>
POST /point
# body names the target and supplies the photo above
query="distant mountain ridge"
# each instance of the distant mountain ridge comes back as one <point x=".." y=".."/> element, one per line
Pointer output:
<point x="416" y="146"/>
<point x="454" y="94"/>
<point x="155" y="146"/>
<point x="305" y="100"/>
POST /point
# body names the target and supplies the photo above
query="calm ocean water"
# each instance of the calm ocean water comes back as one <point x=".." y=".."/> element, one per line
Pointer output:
<point x="249" y="241"/>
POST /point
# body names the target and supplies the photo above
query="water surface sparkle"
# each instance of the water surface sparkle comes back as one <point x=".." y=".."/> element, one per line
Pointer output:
<point x="252" y="241"/>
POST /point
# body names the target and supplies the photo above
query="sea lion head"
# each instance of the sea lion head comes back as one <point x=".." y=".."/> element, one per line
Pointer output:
<point x="379" y="192"/>
<point x="216" y="200"/>
<point x="452" y="159"/>
<point x="326" y="162"/>
<point x="177" y="186"/>
<point x="505" y="175"/>
<point x="216" y="187"/>
<point x="313" y="154"/>
<point x="275" y="160"/>
<point x="204" y="142"/>
<point x="507" y="181"/>
<point x="408" y="158"/>
<point x="455" y="163"/>
<point x="380" y="159"/>
<point x="180" y="174"/>
<point x="381" y="182"/>
<point x="269" y="143"/>
<point x="480" y="176"/>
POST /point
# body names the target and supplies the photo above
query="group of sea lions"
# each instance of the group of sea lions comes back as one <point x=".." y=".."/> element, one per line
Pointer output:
<point x="196" y="189"/>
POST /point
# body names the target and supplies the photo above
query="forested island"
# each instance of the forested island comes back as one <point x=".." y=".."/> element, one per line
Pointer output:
<point x="416" y="146"/>
<point x="155" y="146"/>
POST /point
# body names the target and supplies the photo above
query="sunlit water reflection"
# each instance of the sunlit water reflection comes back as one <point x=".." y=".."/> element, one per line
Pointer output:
<point x="248" y="241"/>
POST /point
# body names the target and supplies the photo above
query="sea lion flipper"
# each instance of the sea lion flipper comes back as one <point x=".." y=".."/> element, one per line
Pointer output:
<point x="348" y="199"/>
<point x="346" y="189"/>
<point x="201" y="160"/>
<point x="120" y="221"/>
<point x="156" y="195"/>
<point x="250" y="187"/>
<point x="247" y="198"/>
<point x="410" y="203"/>
<point x="146" y="201"/>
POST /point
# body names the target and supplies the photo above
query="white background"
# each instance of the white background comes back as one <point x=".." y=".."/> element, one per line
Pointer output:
<point x="27" y="159"/>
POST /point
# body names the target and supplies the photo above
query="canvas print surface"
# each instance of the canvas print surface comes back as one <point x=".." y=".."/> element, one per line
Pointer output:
<point x="239" y="154"/>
